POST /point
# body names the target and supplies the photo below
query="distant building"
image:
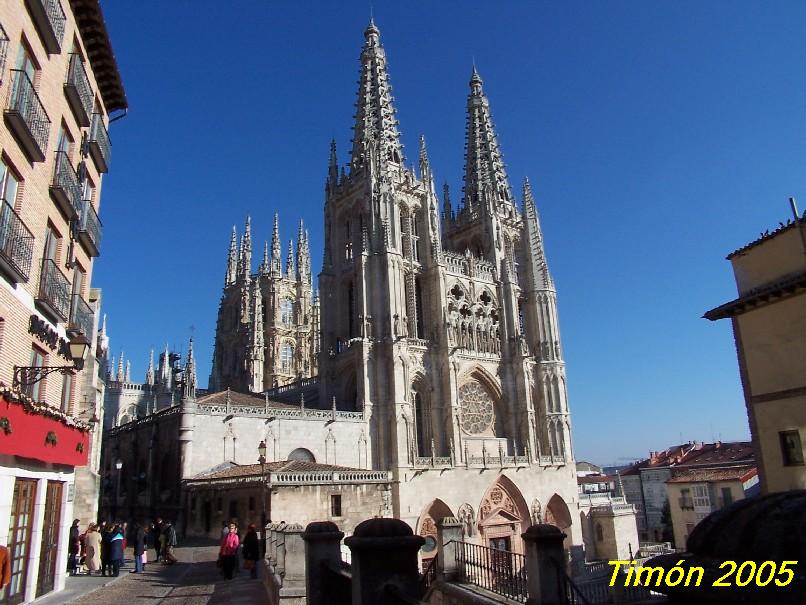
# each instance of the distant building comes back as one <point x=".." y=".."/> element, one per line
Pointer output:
<point x="587" y="468"/>
<point x="60" y="88"/>
<point x="645" y="481"/>
<point x="596" y="484"/>
<point x="696" y="493"/>
<point x="769" y="327"/>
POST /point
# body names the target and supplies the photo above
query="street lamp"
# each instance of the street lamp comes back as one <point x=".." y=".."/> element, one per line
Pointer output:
<point x="79" y="349"/>
<point x="261" y="450"/>
<point x="118" y="466"/>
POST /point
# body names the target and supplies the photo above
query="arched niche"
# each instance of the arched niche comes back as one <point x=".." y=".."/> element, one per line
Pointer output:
<point x="302" y="454"/>
<point x="503" y="516"/>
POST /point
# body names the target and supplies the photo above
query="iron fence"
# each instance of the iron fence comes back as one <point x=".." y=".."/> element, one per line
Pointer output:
<point x="91" y="225"/>
<point x="16" y="240"/>
<point x="100" y="145"/>
<point x="81" y="316"/>
<point x="500" y="571"/>
<point x="54" y="289"/>
<point x="77" y="79"/>
<point x="25" y="102"/>
<point x="65" y="179"/>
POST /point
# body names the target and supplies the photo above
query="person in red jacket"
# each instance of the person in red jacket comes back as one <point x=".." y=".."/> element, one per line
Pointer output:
<point x="229" y="551"/>
<point x="5" y="567"/>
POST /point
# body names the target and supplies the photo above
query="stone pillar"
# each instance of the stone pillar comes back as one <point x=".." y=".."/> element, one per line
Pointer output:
<point x="449" y="534"/>
<point x="293" y="571"/>
<point x="322" y="540"/>
<point x="384" y="557"/>
<point x="545" y="562"/>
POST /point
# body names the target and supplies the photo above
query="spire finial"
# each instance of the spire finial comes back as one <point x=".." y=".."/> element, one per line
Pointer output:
<point x="150" y="370"/>
<point x="289" y="259"/>
<point x="232" y="259"/>
<point x="534" y="240"/>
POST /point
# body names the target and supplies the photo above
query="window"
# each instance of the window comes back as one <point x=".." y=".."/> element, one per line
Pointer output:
<point x="65" y="141"/>
<point x="52" y="241"/>
<point x="599" y="532"/>
<point x="34" y="391"/>
<point x="67" y="393"/>
<point x="791" y="448"/>
<point x="287" y="357"/>
<point x="9" y="183"/>
<point x="727" y="496"/>
<point x="79" y="277"/>
<point x="287" y="311"/>
<point x="335" y="505"/>
<point x="701" y="498"/>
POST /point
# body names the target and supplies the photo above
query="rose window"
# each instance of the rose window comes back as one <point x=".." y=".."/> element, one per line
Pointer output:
<point x="477" y="408"/>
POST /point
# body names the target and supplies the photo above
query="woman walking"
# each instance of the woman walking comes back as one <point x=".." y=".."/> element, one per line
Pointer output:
<point x="251" y="551"/>
<point x="73" y="548"/>
<point x="116" y="550"/>
<point x="139" y="545"/>
<point x="229" y="551"/>
<point x="92" y="543"/>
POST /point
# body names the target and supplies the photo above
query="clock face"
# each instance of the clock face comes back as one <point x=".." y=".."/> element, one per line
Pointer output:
<point x="477" y="408"/>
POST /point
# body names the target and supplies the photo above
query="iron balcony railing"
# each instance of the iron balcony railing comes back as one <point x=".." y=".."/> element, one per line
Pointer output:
<point x="78" y="91"/>
<point x="27" y="116"/>
<point x="49" y="17"/>
<point x="500" y="571"/>
<point x="99" y="143"/>
<point x="90" y="229"/>
<point x="685" y="503"/>
<point x="16" y="242"/>
<point x="54" y="290"/>
<point x="65" y="189"/>
<point x="81" y="317"/>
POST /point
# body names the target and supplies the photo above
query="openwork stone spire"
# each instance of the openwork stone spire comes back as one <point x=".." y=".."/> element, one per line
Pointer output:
<point x="303" y="253"/>
<point x="485" y="176"/>
<point x="189" y="386"/>
<point x="289" y="259"/>
<point x="232" y="259"/>
<point x="150" y="370"/>
<point x="333" y="166"/>
<point x="534" y="239"/>
<point x="245" y="255"/>
<point x="375" y="121"/>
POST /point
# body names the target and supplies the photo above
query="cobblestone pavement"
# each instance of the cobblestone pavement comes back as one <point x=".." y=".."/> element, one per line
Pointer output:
<point x="194" y="580"/>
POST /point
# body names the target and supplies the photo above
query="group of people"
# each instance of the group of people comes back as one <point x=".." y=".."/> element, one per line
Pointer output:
<point x="228" y="551"/>
<point x="101" y="548"/>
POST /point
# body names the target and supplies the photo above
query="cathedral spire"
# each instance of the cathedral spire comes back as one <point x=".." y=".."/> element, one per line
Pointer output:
<point x="266" y="264"/>
<point x="121" y="375"/>
<point x="425" y="165"/>
<point x="375" y="121"/>
<point x="189" y="386"/>
<point x="303" y="254"/>
<point x="245" y="254"/>
<point x="232" y="259"/>
<point x="534" y="240"/>
<point x="127" y="377"/>
<point x="486" y="181"/>
<point x="150" y="370"/>
<point x="333" y="166"/>
<point x="289" y="260"/>
<point x="255" y="349"/>
<point x="276" y="262"/>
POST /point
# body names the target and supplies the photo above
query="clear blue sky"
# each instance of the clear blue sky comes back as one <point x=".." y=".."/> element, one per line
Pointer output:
<point x="658" y="138"/>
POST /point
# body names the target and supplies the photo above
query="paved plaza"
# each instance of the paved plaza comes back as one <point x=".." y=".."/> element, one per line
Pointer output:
<point x="194" y="580"/>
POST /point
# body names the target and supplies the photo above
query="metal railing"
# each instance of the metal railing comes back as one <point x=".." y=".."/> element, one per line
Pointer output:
<point x="428" y="576"/>
<point x="3" y="52"/>
<point x="16" y="240"/>
<point x="100" y="145"/>
<point x="500" y="571"/>
<point x="54" y="289"/>
<point x="81" y="316"/>
<point x="25" y="102"/>
<point x="55" y="16"/>
<point x="65" y="178"/>
<point x="569" y="591"/>
<point x="77" y="78"/>
<point x="685" y="503"/>
<point x="91" y="225"/>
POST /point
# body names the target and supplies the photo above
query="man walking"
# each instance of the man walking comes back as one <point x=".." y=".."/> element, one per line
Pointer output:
<point x="156" y="536"/>
<point x="139" y="544"/>
<point x="169" y="534"/>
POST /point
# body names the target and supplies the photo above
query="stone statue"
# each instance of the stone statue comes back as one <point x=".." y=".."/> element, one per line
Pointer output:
<point x="537" y="512"/>
<point x="467" y="518"/>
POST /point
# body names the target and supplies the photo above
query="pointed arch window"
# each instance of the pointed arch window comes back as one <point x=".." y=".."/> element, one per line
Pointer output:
<point x="422" y="425"/>
<point x="287" y="357"/>
<point x="287" y="311"/>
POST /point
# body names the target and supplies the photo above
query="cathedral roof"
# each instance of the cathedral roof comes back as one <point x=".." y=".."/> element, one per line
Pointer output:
<point x="283" y="466"/>
<point x="241" y="399"/>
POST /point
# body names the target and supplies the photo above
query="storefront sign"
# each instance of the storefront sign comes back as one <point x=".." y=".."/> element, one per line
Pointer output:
<point x="48" y="336"/>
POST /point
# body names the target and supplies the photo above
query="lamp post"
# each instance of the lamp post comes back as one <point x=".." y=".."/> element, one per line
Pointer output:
<point x="261" y="450"/>
<point x="26" y="376"/>
<point x="118" y="466"/>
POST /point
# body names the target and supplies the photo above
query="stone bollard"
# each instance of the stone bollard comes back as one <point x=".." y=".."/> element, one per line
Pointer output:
<point x="322" y="546"/>
<point x="545" y="562"/>
<point x="270" y="550"/>
<point x="384" y="555"/>
<point x="449" y="535"/>
<point x="279" y="550"/>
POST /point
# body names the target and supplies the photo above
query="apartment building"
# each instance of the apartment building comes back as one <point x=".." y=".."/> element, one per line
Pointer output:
<point x="59" y="88"/>
<point x="769" y="328"/>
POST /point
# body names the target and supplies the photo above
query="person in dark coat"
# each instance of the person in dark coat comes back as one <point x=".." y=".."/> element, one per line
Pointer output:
<point x="116" y="550"/>
<point x="250" y="551"/>
<point x="73" y="548"/>
<point x="106" y="535"/>
<point x="138" y="541"/>
<point x="156" y="531"/>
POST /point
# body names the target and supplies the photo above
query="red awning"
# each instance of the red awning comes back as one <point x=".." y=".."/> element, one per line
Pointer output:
<point x="32" y="435"/>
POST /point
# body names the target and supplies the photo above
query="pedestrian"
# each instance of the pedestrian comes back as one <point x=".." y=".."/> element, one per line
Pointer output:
<point x="106" y="536"/>
<point x="93" y="546"/>
<point x="157" y="538"/>
<point x="73" y="548"/>
<point x="146" y="542"/>
<point x="139" y="546"/>
<point x="224" y="529"/>
<point x="229" y="552"/>
<point x="251" y="551"/>
<point x="116" y="550"/>
<point x="169" y="539"/>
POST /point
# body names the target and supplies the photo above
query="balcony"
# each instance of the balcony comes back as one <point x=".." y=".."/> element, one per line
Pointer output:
<point x="26" y="117"/>
<point x="686" y="503"/>
<point x="54" y="292"/>
<point x="78" y="91"/>
<point x="81" y="317"/>
<point x="16" y="244"/>
<point x="99" y="143"/>
<point x="65" y="190"/>
<point x="90" y="229"/>
<point x="3" y="52"/>
<point x="49" y="18"/>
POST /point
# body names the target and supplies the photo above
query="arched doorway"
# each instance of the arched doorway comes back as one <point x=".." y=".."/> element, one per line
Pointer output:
<point x="503" y="516"/>
<point x="427" y="528"/>
<point x="557" y="513"/>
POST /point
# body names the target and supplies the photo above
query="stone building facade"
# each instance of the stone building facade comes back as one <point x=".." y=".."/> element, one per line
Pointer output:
<point x="268" y="322"/>
<point x="59" y="88"/>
